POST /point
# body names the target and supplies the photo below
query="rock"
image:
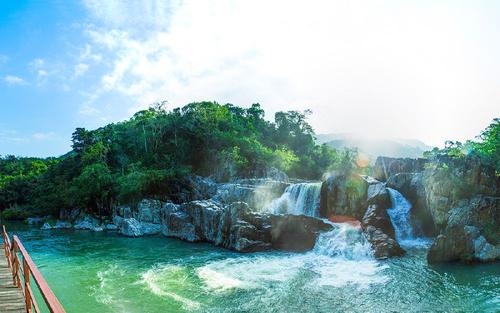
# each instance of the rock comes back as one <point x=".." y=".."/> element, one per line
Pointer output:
<point x="379" y="231"/>
<point x="111" y="227"/>
<point x="150" y="228"/>
<point x="149" y="211"/>
<point x="46" y="226"/>
<point x="385" y="167"/>
<point x="130" y="227"/>
<point x="117" y="220"/>
<point x="237" y="227"/>
<point x="177" y="223"/>
<point x="88" y="222"/>
<point x="383" y="245"/>
<point x="257" y="193"/>
<point x="377" y="217"/>
<point x="34" y="220"/>
<point x="378" y="194"/>
<point x="448" y="181"/>
<point x="343" y="195"/>
<point x="471" y="234"/>
<point x="296" y="232"/>
<point x="63" y="225"/>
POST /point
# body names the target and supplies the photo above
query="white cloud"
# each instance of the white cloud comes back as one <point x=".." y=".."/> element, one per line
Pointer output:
<point x="420" y="69"/>
<point x="12" y="80"/>
<point x="80" y="69"/>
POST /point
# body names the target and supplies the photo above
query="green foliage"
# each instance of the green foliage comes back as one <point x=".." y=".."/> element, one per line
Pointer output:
<point x="487" y="147"/>
<point x="150" y="154"/>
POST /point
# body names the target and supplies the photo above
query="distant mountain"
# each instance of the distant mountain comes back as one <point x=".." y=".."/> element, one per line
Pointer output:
<point x="410" y="148"/>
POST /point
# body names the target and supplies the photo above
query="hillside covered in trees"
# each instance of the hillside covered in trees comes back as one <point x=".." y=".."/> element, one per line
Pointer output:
<point x="154" y="151"/>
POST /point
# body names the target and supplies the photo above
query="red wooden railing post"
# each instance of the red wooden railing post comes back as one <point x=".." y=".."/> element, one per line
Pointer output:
<point x="29" y="270"/>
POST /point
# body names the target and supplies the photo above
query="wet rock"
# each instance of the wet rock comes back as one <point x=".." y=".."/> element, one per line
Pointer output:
<point x="131" y="227"/>
<point x="46" y="226"/>
<point x="63" y="225"/>
<point x="237" y="227"/>
<point x="296" y="232"/>
<point x="89" y="223"/>
<point x="117" y="220"/>
<point x="111" y="227"/>
<point x="377" y="217"/>
<point x="383" y="245"/>
<point x="150" y="228"/>
<point x="343" y="195"/>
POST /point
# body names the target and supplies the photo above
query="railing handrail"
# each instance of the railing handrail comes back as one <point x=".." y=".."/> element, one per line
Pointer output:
<point x="29" y="267"/>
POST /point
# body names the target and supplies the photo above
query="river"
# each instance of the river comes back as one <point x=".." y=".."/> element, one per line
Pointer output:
<point x="99" y="272"/>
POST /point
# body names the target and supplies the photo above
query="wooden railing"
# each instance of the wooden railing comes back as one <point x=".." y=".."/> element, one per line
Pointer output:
<point x="28" y="270"/>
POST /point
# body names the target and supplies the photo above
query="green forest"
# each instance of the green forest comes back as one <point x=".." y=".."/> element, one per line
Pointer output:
<point x="152" y="153"/>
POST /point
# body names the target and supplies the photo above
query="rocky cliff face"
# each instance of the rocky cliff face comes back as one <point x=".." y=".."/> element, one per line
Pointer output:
<point x="257" y="193"/>
<point x="385" y="167"/>
<point x="453" y="197"/>
<point x="471" y="233"/>
<point x="234" y="226"/>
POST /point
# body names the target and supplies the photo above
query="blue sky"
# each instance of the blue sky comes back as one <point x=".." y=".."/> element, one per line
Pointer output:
<point x="427" y="70"/>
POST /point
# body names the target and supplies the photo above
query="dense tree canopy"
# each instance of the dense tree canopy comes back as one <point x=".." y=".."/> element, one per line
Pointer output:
<point x="151" y="152"/>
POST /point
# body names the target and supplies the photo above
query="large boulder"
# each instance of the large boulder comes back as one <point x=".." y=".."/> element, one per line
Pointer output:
<point x="237" y="227"/>
<point x="385" y="167"/>
<point x="131" y="227"/>
<point x="448" y="181"/>
<point x="296" y="232"/>
<point x="383" y="245"/>
<point x="87" y="222"/>
<point x="343" y="195"/>
<point x="377" y="226"/>
<point x="377" y="217"/>
<point x="471" y="234"/>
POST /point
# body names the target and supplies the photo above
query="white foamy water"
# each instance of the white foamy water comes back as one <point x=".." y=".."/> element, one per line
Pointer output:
<point x="302" y="198"/>
<point x="341" y="257"/>
<point x="345" y="241"/>
<point x="165" y="281"/>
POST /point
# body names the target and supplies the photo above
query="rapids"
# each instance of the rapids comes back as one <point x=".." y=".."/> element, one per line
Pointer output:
<point x="97" y="272"/>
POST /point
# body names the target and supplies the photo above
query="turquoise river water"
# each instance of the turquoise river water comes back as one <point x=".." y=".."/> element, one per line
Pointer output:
<point x="99" y="272"/>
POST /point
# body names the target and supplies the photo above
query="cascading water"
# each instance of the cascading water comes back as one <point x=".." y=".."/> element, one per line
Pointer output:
<point x="400" y="216"/>
<point x="344" y="240"/>
<point x="302" y="198"/>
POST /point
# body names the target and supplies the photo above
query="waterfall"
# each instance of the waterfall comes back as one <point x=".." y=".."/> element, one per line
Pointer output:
<point x="400" y="217"/>
<point x="302" y="198"/>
